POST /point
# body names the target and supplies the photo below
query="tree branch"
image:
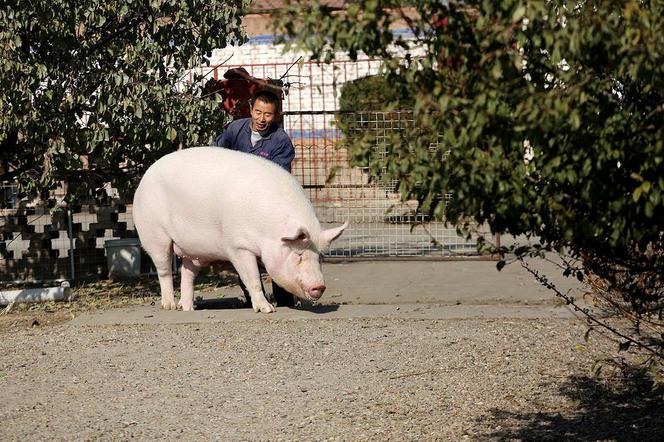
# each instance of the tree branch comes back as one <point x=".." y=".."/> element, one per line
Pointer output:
<point x="586" y="312"/>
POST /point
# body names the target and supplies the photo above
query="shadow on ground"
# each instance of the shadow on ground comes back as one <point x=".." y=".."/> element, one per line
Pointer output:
<point x="220" y="303"/>
<point x="625" y="409"/>
<point x="233" y="303"/>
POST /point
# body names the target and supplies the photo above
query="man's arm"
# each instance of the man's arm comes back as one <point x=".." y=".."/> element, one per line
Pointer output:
<point x="228" y="137"/>
<point x="222" y="140"/>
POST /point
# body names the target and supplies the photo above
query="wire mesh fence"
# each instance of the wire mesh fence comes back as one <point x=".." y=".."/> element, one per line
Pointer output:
<point x="382" y="225"/>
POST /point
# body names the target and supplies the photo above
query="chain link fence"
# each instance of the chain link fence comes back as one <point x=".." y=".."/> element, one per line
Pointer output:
<point x="382" y="225"/>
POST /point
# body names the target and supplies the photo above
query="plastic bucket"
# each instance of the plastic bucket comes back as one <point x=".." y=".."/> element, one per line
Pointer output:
<point x="123" y="257"/>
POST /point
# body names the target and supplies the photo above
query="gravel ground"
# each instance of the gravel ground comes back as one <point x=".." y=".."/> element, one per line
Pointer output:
<point x="340" y="379"/>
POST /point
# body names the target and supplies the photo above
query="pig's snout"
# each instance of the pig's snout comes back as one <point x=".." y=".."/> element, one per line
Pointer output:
<point x="316" y="292"/>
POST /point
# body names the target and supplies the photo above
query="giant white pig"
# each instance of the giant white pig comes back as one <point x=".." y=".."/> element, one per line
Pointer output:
<point x="210" y="204"/>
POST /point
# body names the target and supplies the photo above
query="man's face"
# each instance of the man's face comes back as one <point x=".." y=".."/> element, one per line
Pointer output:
<point x="262" y="115"/>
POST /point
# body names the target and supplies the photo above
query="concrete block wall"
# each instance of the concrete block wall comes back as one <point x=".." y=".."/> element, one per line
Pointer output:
<point x="35" y="243"/>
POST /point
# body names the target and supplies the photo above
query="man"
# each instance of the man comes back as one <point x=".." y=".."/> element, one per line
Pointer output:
<point x="261" y="135"/>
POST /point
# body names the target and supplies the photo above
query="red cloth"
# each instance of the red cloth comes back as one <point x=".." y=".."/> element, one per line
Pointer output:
<point x="236" y="90"/>
<point x="236" y="94"/>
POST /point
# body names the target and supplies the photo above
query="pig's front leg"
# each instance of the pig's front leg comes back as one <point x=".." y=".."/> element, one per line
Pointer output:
<point x="246" y="266"/>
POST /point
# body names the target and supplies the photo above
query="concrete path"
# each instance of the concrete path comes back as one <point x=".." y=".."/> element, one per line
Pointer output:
<point x="399" y="289"/>
<point x="442" y="282"/>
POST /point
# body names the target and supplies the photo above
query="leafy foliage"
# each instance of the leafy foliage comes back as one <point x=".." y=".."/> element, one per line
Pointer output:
<point x="373" y="93"/>
<point x="368" y="94"/>
<point x="553" y="113"/>
<point x="87" y="86"/>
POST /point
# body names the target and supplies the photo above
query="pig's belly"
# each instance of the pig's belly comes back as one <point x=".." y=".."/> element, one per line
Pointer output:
<point x="196" y="251"/>
<point x="198" y="235"/>
<point x="198" y="241"/>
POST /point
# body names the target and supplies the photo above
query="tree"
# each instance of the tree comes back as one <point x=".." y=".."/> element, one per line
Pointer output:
<point x="88" y="86"/>
<point x="553" y="115"/>
<point x="367" y="94"/>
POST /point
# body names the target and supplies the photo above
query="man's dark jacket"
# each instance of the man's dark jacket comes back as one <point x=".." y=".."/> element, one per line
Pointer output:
<point x="275" y="144"/>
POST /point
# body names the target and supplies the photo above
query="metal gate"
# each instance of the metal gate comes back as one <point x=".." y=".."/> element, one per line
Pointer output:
<point x="381" y="225"/>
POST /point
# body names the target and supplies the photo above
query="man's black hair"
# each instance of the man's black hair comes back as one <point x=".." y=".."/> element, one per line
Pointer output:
<point x="266" y="97"/>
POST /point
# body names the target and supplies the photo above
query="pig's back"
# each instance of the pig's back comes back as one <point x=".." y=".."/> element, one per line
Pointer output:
<point x="198" y="168"/>
<point x="212" y="184"/>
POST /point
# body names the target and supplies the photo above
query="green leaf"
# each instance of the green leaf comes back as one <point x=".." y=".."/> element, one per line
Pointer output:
<point x="636" y="195"/>
<point x="171" y="134"/>
<point x="518" y="14"/>
<point x="575" y="120"/>
<point x="497" y="71"/>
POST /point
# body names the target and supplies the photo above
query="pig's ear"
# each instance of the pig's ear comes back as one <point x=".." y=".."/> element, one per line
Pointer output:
<point x="299" y="238"/>
<point x="327" y="236"/>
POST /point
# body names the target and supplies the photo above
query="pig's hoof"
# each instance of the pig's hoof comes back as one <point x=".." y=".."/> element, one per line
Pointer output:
<point x="186" y="306"/>
<point x="265" y="308"/>
<point x="169" y="305"/>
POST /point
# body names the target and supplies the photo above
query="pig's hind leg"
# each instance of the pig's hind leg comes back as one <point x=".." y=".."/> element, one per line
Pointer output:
<point x="190" y="269"/>
<point x="246" y="266"/>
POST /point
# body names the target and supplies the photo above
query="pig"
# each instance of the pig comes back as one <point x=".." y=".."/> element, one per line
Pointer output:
<point x="209" y="204"/>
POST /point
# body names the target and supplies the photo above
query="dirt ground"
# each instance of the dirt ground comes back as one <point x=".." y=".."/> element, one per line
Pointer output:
<point x="432" y="365"/>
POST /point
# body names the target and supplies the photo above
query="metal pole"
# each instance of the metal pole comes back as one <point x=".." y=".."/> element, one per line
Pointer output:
<point x="71" y="244"/>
